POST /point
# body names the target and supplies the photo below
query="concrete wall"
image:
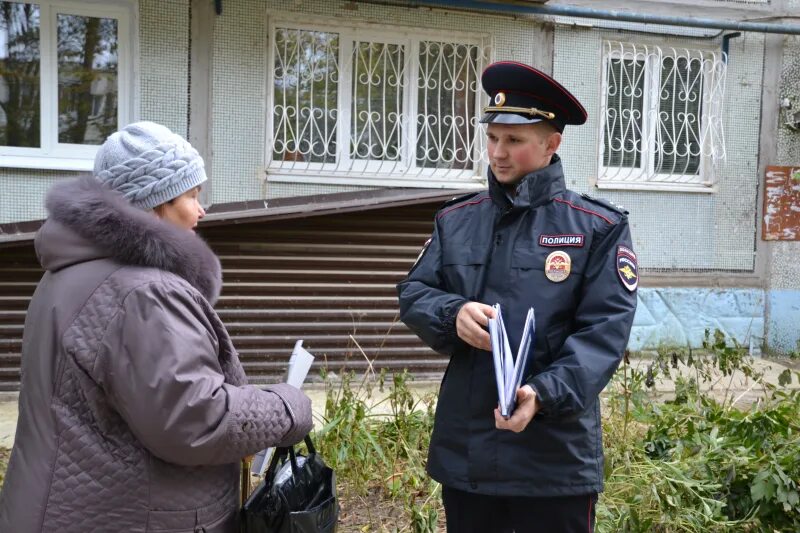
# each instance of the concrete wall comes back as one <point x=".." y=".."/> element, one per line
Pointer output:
<point x="673" y="230"/>
<point x="681" y="316"/>
<point x="702" y="233"/>
<point x="162" y="71"/>
<point x="706" y="234"/>
<point x="238" y="139"/>
<point x="783" y="321"/>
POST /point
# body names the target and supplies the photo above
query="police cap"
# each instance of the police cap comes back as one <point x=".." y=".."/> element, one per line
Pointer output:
<point x="520" y="94"/>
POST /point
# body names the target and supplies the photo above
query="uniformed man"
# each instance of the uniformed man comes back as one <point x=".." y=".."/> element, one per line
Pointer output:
<point x="526" y="242"/>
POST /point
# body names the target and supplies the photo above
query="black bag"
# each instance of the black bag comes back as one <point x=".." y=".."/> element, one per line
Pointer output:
<point x="297" y="495"/>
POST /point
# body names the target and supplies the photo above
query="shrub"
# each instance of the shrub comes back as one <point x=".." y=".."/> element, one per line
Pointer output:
<point x="693" y="462"/>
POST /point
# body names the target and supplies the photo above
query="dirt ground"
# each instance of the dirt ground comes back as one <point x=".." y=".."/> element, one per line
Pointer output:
<point x="374" y="514"/>
<point x="789" y="362"/>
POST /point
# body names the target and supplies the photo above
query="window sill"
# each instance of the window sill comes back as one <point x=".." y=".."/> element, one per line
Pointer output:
<point x="655" y="187"/>
<point x="426" y="182"/>
<point x="46" y="163"/>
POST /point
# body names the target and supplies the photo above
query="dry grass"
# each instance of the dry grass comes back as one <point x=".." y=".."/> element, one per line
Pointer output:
<point x="5" y="453"/>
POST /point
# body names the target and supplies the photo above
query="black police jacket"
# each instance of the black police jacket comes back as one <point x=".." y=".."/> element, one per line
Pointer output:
<point x="487" y="248"/>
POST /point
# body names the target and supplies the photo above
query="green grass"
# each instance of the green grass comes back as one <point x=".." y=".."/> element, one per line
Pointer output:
<point x="694" y="463"/>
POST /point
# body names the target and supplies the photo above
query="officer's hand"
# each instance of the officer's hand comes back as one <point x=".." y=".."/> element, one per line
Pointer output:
<point x="470" y="323"/>
<point x="527" y="406"/>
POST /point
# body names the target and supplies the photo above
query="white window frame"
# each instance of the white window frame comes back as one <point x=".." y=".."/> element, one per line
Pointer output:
<point x="648" y="179"/>
<point x="363" y="172"/>
<point x="53" y="155"/>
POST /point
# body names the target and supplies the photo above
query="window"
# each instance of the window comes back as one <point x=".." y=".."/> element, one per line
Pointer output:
<point x="661" y="118"/>
<point x="64" y="81"/>
<point x="356" y="105"/>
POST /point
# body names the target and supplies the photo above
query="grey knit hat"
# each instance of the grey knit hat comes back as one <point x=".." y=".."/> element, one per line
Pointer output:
<point x="148" y="164"/>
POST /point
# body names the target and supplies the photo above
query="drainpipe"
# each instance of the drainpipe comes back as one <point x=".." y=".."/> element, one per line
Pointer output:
<point x="609" y="14"/>
<point x="726" y="43"/>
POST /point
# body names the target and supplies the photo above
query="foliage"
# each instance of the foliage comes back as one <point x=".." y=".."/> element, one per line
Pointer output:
<point x="378" y="447"/>
<point x="700" y="461"/>
<point x="697" y="461"/>
<point x="795" y="354"/>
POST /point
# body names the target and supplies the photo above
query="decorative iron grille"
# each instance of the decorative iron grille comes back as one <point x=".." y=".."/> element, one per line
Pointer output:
<point x="347" y="103"/>
<point x="661" y="117"/>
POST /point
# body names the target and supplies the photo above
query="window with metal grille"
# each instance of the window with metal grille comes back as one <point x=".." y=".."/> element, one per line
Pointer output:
<point x="356" y="105"/>
<point x="65" y="78"/>
<point x="661" y="124"/>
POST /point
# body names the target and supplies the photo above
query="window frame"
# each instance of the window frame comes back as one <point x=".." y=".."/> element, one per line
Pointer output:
<point x="649" y="180"/>
<point x="362" y="172"/>
<point x="52" y="154"/>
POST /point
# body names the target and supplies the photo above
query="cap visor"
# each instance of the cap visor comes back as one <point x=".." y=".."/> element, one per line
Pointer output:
<point x="508" y="118"/>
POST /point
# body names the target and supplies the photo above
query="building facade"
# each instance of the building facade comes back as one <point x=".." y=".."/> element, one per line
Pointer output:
<point x="291" y="98"/>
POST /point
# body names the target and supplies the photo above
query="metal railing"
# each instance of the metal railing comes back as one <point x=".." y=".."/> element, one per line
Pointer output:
<point x="661" y="115"/>
<point x="348" y="105"/>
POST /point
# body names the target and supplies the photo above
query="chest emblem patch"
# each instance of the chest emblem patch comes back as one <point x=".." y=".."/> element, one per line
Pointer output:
<point x="561" y="240"/>
<point x="627" y="268"/>
<point x="557" y="266"/>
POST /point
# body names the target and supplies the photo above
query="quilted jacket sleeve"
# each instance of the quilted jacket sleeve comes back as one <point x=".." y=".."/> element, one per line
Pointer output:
<point x="160" y="368"/>
<point x="603" y="320"/>
<point x="425" y="306"/>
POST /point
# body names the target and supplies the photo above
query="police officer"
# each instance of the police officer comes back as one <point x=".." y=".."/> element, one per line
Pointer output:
<point x="525" y="242"/>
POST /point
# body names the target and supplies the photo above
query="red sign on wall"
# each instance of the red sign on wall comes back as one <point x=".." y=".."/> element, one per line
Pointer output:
<point x="781" y="204"/>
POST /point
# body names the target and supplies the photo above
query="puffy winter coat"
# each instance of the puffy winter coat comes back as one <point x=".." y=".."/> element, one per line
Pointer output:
<point x="134" y="410"/>
<point x="570" y="258"/>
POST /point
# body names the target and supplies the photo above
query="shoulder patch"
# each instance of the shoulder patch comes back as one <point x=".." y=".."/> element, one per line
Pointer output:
<point x="462" y="201"/>
<point x="627" y="268"/>
<point x="459" y="199"/>
<point x="608" y="204"/>
<point x="421" y="253"/>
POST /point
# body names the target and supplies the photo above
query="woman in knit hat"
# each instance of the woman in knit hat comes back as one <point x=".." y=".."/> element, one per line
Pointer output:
<point x="134" y="410"/>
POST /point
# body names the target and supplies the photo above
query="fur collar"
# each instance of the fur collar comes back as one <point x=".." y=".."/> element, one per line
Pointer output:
<point x="132" y="236"/>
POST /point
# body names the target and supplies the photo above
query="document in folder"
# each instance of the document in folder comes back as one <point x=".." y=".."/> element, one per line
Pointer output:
<point x="509" y="370"/>
<point x="299" y="365"/>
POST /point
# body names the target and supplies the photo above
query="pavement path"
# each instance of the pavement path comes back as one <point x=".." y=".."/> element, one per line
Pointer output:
<point x="739" y="386"/>
<point x="316" y="391"/>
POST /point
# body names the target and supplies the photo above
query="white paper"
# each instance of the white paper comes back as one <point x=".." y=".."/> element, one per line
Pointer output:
<point x="494" y="336"/>
<point x="509" y="371"/>
<point x="299" y="365"/>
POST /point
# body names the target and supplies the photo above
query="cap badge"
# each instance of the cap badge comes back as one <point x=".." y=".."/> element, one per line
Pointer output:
<point x="500" y="99"/>
<point x="557" y="266"/>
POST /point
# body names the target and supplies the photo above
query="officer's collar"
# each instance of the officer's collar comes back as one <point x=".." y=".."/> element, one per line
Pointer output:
<point x="535" y="189"/>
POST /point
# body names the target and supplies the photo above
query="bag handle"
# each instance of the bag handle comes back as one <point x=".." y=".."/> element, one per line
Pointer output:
<point x="280" y="456"/>
<point x="277" y="458"/>
<point x="310" y="445"/>
<point x="293" y="460"/>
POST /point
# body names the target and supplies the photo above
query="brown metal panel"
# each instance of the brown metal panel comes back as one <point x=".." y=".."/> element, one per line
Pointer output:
<point x="19" y="274"/>
<point x="328" y="279"/>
